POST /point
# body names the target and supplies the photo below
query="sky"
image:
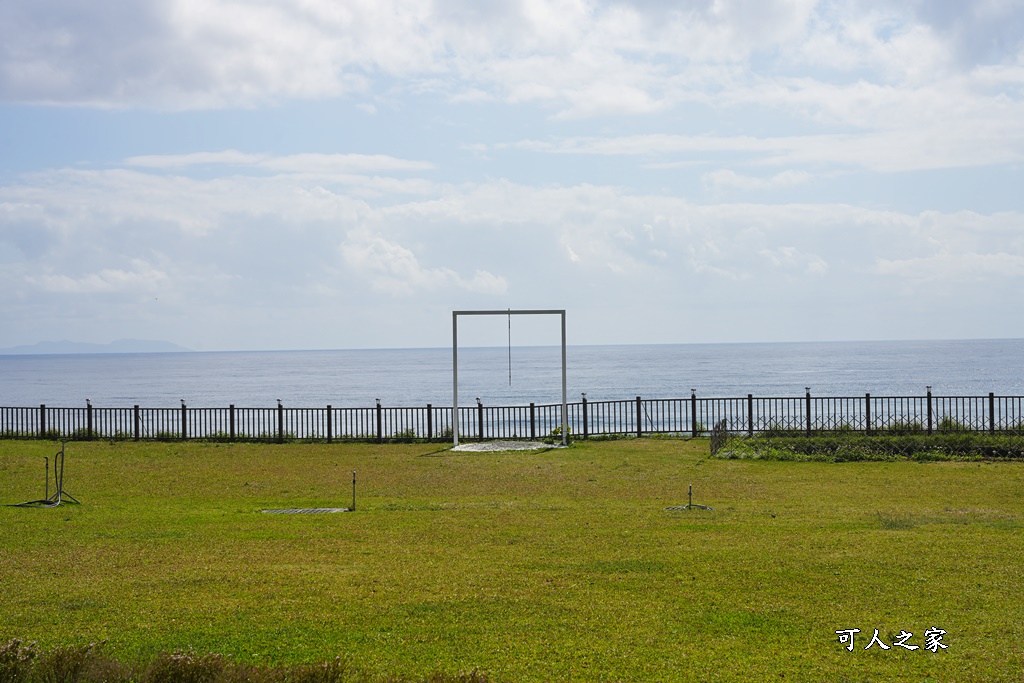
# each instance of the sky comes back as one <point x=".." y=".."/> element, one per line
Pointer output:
<point x="320" y="174"/>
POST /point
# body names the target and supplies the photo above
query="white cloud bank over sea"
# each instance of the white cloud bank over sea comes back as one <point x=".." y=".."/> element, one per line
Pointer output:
<point x="342" y="175"/>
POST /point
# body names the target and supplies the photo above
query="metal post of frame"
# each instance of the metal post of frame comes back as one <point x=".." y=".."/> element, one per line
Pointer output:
<point x="455" y="365"/>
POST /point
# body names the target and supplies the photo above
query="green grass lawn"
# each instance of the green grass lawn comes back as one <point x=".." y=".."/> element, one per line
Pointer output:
<point x="553" y="566"/>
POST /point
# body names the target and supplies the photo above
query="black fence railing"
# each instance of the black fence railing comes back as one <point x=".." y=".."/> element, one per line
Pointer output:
<point x="691" y="416"/>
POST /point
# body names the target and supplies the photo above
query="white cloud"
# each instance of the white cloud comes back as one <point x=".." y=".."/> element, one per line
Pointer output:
<point x="581" y="57"/>
<point x="791" y="258"/>
<point x="343" y="164"/>
<point x="626" y="111"/>
<point x="328" y="164"/>
<point x="203" y="256"/>
<point x="947" y="267"/>
<point x="396" y="270"/>
<point x="228" y="157"/>
<point x="142" y="278"/>
<point x="997" y="139"/>
<point x="725" y="179"/>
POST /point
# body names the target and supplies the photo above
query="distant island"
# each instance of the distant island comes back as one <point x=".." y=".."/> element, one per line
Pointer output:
<point x="70" y="347"/>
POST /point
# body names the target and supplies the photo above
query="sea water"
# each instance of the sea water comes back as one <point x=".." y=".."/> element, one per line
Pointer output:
<point x="415" y="377"/>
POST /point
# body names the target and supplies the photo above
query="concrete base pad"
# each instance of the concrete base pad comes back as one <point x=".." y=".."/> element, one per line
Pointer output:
<point x="492" y="446"/>
<point x="305" y="511"/>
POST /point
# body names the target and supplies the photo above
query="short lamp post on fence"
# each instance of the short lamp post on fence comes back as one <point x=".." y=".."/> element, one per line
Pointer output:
<point x="867" y="413"/>
<point x="639" y="417"/>
<point x="280" y="421"/>
<point x="991" y="413"/>
<point x="807" y="406"/>
<point x="694" y="431"/>
<point x="928" y="389"/>
<point x="88" y="419"/>
<point x="479" y="419"/>
<point x="586" y="428"/>
<point x="329" y="424"/>
<point x="380" y="422"/>
<point x="750" y="415"/>
<point x="184" y="420"/>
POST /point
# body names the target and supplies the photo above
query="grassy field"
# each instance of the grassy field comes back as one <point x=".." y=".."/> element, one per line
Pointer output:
<point x="552" y="566"/>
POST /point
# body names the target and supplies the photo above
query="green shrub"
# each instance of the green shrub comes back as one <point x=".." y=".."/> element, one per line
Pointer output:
<point x="775" y="428"/>
<point x="16" y="661"/>
<point x="948" y="425"/>
<point x="20" y="663"/>
<point x="885" y="445"/>
<point x="407" y="435"/>
<point x="184" y="666"/>
<point x="72" y="664"/>
<point x="902" y="428"/>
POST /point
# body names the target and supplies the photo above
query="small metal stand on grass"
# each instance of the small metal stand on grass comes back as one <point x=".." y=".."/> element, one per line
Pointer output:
<point x="691" y="505"/>
<point x="59" y="495"/>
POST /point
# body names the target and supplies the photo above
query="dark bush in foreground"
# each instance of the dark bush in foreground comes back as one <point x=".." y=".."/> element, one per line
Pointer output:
<point x="21" y="663"/>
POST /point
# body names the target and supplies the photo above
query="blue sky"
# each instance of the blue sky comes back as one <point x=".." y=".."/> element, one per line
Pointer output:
<point x="324" y="174"/>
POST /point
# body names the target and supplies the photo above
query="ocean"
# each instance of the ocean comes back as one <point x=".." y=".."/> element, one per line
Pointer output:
<point x="415" y="377"/>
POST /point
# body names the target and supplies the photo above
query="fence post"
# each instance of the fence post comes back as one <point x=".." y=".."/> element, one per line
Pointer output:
<point x="586" y="428"/>
<point x="991" y="413"/>
<point x="533" y="422"/>
<point x="430" y="422"/>
<point x="807" y="395"/>
<point x="867" y="413"/>
<point x="639" y="419"/>
<point x="184" y="420"/>
<point x="380" y="423"/>
<point x="693" y="413"/>
<point x="280" y="422"/>
<point x="231" y="421"/>
<point x="88" y="419"/>
<point x="929" y="410"/>
<point x="479" y="419"/>
<point x="330" y="425"/>
<point x="136" y="411"/>
<point x="42" y="420"/>
<point x="750" y="414"/>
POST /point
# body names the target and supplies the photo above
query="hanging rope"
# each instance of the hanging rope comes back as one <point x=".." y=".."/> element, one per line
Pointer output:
<point x="510" y="347"/>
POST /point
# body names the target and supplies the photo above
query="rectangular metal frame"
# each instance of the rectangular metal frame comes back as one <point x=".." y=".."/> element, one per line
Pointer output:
<point x="455" y="363"/>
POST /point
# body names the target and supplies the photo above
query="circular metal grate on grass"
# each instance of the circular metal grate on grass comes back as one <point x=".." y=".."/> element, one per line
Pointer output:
<point x="305" y="511"/>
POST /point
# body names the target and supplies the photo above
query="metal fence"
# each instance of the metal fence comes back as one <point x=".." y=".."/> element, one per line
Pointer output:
<point x="692" y="416"/>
